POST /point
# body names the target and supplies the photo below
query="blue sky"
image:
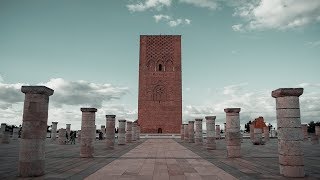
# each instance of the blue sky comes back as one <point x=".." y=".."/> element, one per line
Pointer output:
<point x="234" y="53"/>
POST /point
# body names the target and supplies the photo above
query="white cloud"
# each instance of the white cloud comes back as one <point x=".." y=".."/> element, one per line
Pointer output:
<point x="65" y="103"/>
<point x="171" y="21"/>
<point x="276" y="14"/>
<point x="148" y="4"/>
<point x="237" y="27"/>
<point x="255" y="104"/>
<point x="160" y="17"/>
<point x="210" y="4"/>
<point x="311" y="43"/>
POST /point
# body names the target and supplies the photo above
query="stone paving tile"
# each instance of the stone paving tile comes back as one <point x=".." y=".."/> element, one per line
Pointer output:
<point x="163" y="159"/>
<point x="62" y="161"/>
<point x="257" y="161"/>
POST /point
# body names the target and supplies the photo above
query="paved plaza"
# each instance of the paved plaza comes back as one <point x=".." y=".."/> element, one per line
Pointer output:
<point x="160" y="159"/>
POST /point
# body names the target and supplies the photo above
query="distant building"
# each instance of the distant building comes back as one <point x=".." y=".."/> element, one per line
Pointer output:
<point x="160" y="86"/>
<point x="259" y="123"/>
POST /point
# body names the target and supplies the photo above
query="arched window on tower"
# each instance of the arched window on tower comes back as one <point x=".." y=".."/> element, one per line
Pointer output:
<point x="160" y="67"/>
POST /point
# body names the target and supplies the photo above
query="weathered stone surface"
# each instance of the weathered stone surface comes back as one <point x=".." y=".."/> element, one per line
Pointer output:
<point x="233" y="132"/>
<point x="257" y="140"/>
<point x="110" y="131"/>
<point x="15" y="133"/>
<point x="266" y="134"/>
<point x="289" y="122"/>
<point x="62" y="136"/>
<point x="314" y="139"/>
<point x="129" y="132"/>
<point x="5" y="137"/>
<point x="210" y="125"/>
<point x="191" y="131"/>
<point x="284" y="92"/>
<point x="138" y="132"/>
<point x="54" y="131"/>
<point x="317" y="129"/>
<point x="122" y="132"/>
<point x="34" y="130"/>
<point x="198" y="131"/>
<point x="289" y="132"/>
<point x="252" y="132"/>
<point x="218" y="132"/>
<point x="182" y="132"/>
<point x="186" y="133"/>
<point x="68" y="129"/>
<point x="88" y="131"/>
<point x="288" y="102"/>
<point x="134" y="131"/>
<point x="304" y="128"/>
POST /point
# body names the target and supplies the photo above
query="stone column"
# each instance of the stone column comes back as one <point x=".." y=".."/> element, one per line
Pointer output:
<point x="304" y="128"/>
<point x="103" y="130"/>
<point x="218" y="135"/>
<point x="138" y="133"/>
<point x="225" y="131"/>
<point x="251" y="132"/>
<point x="34" y="130"/>
<point x="129" y="132"/>
<point x="211" y="139"/>
<point x="15" y="133"/>
<point x="62" y="136"/>
<point x="5" y="136"/>
<point x="317" y="131"/>
<point x="266" y="134"/>
<point x="122" y="132"/>
<point x="289" y="131"/>
<point x="134" y="131"/>
<point x="110" y="131"/>
<point x="257" y="140"/>
<point x="68" y="129"/>
<point x="198" y="133"/>
<point x="186" y="132"/>
<point x="191" y="131"/>
<point x="233" y="132"/>
<point x="3" y="128"/>
<point x="88" y="132"/>
<point x="54" y="127"/>
<point x="182" y="132"/>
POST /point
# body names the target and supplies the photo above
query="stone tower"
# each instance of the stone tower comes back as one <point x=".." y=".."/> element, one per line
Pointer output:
<point x="160" y="86"/>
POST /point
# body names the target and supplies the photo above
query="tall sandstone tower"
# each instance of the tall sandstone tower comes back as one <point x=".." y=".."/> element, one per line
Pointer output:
<point x="160" y="86"/>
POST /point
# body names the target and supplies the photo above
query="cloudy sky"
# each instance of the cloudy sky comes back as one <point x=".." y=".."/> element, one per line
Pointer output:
<point x="234" y="53"/>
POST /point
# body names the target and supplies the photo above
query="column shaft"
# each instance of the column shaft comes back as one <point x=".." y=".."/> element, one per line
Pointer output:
<point x="122" y="132"/>
<point x="88" y="132"/>
<point x="211" y="139"/>
<point x="233" y="132"/>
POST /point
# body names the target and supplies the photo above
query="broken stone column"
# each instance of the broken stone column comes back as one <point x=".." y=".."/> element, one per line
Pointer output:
<point x="186" y="132"/>
<point x="317" y="131"/>
<point x="266" y="134"/>
<point x="289" y="131"/>
<point x="211" y="139"/>
<point x="62" y="136"/>
<point x="191" y="131"/>
<point x="182" y="132"/>
<point x="34" y="130"/>
<point x="134" y="131"/>
<point x="15" y="133"/>
<point x="68" y="129"/>
<point x="257" y="140"/>
<point x="138" y="133"/>
<point x="251" y="132"/>
<point x="122" y="132"/>
<point x="218" y="135"/>
<point x="54" y="127"/>
<point x="304" y="128"/>
<point x="225" y="131"/>
<point x="198" y="132"/>
<point x="88" y="132"/>
<point x="103" y="130"/>
<point x="110" y="131"/>
<point x="233" y="132"/>
<point x="129" y="132"/>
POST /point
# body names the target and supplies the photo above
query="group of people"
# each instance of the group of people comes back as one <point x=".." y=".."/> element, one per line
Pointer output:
<point x="72" y="138"/>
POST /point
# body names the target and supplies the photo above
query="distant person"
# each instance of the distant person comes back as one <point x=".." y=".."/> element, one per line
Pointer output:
<point x="100" y="135"/>
<point x="73" y="137"/>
